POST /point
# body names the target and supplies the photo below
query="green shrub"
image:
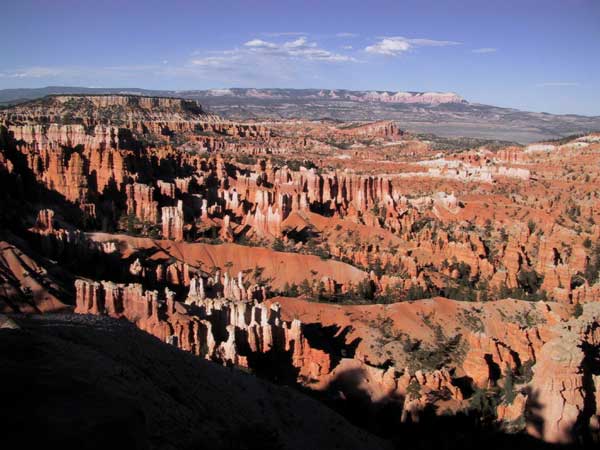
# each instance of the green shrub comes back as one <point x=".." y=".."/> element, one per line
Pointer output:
<point x="577" y="310"/>
<point x="413" y="390"/>
<point x="508" y="389"/>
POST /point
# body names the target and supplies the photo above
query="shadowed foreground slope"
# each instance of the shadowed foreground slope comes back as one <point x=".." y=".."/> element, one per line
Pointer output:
<point x="94" y="382"/>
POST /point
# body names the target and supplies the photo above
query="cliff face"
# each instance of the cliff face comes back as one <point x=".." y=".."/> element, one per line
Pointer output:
<point x="141" y="203"/>
<point x="54" y="135"/>
<point x="231" y="329"/>
<point x="172" y="222"/>
<point x="25" y="283"/>
<point x="565" y="384"/>
<point x="134" y="101"/>
<point x="107" y="107"/>
<point x="428" y="98"/>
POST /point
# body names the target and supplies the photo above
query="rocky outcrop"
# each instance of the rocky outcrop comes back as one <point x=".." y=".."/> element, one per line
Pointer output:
<point x="45" y="220"/>
<point x="141" y="203"/>
<point x="375" y="129"/>
<point x="56" y="135"/>
<point x="108" y="108"/>
<point x="563" y="387"/>
<point x="26" y="285"/>
<point x="229" y="331"/>
<point x="172" y="222"/>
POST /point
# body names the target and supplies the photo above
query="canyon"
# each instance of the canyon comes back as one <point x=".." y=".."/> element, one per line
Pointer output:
<point x="383" y="281"/>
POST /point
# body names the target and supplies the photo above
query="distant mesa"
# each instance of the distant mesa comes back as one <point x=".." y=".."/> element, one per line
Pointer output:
<point x="444" y="114"/>
<point x="430" y="98"/>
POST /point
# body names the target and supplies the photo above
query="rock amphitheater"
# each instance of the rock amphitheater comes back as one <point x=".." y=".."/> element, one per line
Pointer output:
<point x="392" y="284"/>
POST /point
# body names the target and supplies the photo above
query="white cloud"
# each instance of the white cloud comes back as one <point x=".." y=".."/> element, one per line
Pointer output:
<point x="298" y="43"/>
<point x="396" y="45"/>
<point x="558" y="84"/>
<point x="347" y="47"/>
<point x="389" y="46"/>
<point x="300" y="48"/>
<point x="484" y="50"/>
<point x="346" y="35"/>
<point x="259" y="43"/>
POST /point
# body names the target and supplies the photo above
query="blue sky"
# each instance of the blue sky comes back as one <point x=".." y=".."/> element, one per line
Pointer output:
<point x="538" y="55"/>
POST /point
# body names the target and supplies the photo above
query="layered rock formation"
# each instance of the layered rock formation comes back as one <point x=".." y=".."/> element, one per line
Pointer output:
<point x="172" y="222"/>
<point x="140" y="201"/>
<point x="409" y="275"/>
<point x="231" y="329"/>
<point x="564" y="384"/>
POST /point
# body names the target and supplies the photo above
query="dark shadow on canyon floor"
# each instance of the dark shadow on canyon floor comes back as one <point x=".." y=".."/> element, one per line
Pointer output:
<point x="50" y="390"/>
<point x="430" y="428"/>
<point x="331" y="339"/>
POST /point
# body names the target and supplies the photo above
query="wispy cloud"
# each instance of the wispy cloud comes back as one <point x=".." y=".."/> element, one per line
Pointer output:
<point x="484" y="50"/>
<point x="215" y="62"/>
<point x="396" y="45"/>
<point x="133" y="67"/>
<point x="283" y="33"/>
<point x="431" y="43"/>
<point x="300" y="49"/>
<point x="262" y="58"/>
<point x="70" y="72"/>
<point x="36" y="72"/>
<point x="258" y="60"/>
<point x="558" y="84"/>
<point x="346" y="35"/>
